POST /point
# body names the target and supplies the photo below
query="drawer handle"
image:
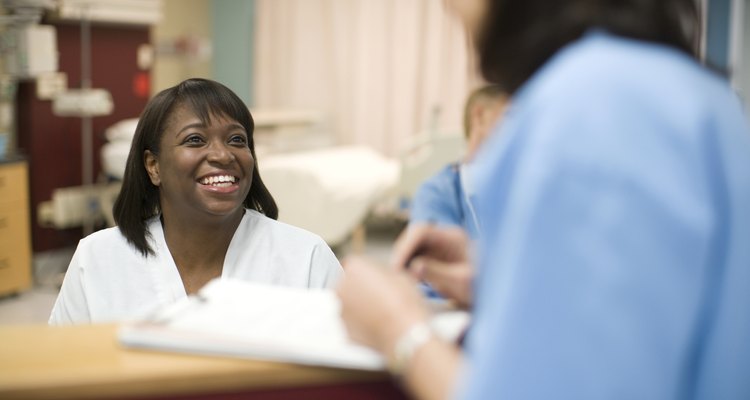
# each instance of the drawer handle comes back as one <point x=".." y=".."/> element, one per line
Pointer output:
<point x="4" y="263"/>
<point x="3" y="222"/>
<point x="2" y="181"/>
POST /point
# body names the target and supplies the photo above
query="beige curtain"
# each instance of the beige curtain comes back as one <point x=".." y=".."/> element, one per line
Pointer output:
<point x="381" y="71"/>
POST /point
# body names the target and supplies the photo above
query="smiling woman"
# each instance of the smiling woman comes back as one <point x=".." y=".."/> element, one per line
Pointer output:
<point x="202" y="167"/>
<point x="192" y="208"/>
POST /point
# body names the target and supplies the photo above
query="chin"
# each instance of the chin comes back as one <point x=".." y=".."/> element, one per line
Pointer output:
<point x="225" y="211"/>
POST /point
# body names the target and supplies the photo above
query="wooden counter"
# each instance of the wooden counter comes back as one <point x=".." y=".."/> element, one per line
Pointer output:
<point x="86" y="362"/>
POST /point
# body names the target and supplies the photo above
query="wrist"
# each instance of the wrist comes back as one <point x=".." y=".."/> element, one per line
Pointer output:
<point x="406" y="346"/>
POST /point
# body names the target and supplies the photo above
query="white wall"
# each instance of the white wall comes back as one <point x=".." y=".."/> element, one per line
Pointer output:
<point x="182" y="19"/>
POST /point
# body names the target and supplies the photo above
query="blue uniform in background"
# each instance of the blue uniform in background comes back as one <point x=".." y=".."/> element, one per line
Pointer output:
<point x="445" y="199"/>
<point x="442" y="200"/>
<point x="615" y="249"/>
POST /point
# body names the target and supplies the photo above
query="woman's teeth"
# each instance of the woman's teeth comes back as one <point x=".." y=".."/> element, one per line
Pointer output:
<point x="220" y="180"/>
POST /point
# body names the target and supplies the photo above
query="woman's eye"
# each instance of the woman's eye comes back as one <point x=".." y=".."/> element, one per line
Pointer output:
<point x="194" y="140"/>
<point x="238" y="139"/>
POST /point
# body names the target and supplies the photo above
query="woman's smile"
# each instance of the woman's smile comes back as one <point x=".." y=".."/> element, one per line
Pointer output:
<point x="220" y="183"/>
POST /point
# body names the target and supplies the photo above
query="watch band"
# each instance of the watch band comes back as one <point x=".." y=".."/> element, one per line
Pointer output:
<point x="410" y="341"/>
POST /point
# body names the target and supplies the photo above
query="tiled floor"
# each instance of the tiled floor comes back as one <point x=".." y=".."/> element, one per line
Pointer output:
<point x="34" y="306"/>
<point x="30" y="307"/>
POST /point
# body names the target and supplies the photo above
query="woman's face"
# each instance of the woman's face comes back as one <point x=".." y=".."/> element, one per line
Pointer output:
<point x="471" y="12"/>
<point x="201" y="170"/>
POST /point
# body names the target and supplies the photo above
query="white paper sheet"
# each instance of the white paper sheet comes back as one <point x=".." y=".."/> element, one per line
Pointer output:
<point x="250" y="320"/>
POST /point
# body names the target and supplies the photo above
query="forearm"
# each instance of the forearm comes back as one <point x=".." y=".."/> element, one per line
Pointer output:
<point x="382" y="309"/>
<point x="432" y="372"/>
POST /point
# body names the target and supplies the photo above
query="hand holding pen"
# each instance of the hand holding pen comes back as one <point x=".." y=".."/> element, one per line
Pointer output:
<point x="439" y="256"/>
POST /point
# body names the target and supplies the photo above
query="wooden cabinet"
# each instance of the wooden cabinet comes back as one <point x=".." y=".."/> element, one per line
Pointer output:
<point x="15" y="234"/>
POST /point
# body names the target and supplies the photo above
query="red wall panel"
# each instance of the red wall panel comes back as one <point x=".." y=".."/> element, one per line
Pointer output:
<point x="52" y="143"/>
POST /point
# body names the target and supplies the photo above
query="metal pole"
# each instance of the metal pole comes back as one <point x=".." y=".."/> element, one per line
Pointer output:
<point x="87" y="150"/>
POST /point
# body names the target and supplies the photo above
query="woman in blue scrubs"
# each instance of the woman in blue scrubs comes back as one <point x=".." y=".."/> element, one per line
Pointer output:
<point x="615" y="262"/>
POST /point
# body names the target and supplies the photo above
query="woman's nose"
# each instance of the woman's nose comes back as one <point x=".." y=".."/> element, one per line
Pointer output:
<point x="220" y="153"/>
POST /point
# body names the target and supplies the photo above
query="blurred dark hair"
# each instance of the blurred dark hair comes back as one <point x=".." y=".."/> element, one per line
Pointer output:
<point x="519" y="36"/>
<point x="138" y="200"/>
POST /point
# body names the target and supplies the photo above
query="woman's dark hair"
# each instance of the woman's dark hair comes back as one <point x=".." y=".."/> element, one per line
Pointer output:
<point x="519" y="36"/>
<point x="138" y="200"/>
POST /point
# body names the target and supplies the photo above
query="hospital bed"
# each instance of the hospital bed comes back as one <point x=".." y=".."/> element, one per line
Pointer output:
<point x="329" y="191"/>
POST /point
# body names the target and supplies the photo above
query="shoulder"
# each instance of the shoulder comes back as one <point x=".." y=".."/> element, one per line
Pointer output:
<point x="444" y="180"/>
<point x="109" y="246"/>
<point x="261" y="225"/>
<point x="282" y="253"/>
<point x="102" y="257"/>
<point x="105" y="239"/>
<point x="448" y="173"/>
<point x="437" y="199"/>
<point x="605" y="96"/>
<point x="601" y="68"/>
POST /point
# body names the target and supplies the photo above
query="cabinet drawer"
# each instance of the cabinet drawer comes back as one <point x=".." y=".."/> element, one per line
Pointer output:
<point x="15" y="272"/>
<point x="13" y="182"/>
<point x="14" y="228"/>
<point x="15" y="247"/>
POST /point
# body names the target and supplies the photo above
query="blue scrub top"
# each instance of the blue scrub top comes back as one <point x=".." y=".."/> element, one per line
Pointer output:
<point x="615" y="249"/>
<point x="442" y="200"/>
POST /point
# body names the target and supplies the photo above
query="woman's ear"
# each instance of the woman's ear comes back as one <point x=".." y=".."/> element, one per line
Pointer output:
<point x="152" y="167"/>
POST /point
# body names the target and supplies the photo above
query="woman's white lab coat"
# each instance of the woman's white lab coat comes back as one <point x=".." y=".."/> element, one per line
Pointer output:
<point x="110" y="280"/>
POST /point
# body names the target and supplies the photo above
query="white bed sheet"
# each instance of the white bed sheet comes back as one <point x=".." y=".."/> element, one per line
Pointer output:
<point x="329" y="191"/>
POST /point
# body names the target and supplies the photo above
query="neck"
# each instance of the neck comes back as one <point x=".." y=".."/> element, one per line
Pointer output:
<point x="198" y="247"/>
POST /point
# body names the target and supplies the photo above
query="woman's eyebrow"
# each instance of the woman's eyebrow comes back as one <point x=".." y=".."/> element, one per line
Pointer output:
<point x="193" y="125"/>
<point x="230" y="126"/>
<point x="234" y="125"/>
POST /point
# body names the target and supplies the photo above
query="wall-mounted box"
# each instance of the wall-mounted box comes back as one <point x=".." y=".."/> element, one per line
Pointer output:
<point x="35" y="50"/>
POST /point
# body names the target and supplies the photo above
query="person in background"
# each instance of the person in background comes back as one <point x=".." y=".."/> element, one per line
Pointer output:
<point x="446" y="198"/>
<point x="192" y="208"/>
<point x="614" y="258"/>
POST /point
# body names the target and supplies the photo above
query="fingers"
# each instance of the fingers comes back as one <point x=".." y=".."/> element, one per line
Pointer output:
<point x="449" y="244"/>
<point x="408" y="244"/>
<point x="452" y="280"/>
